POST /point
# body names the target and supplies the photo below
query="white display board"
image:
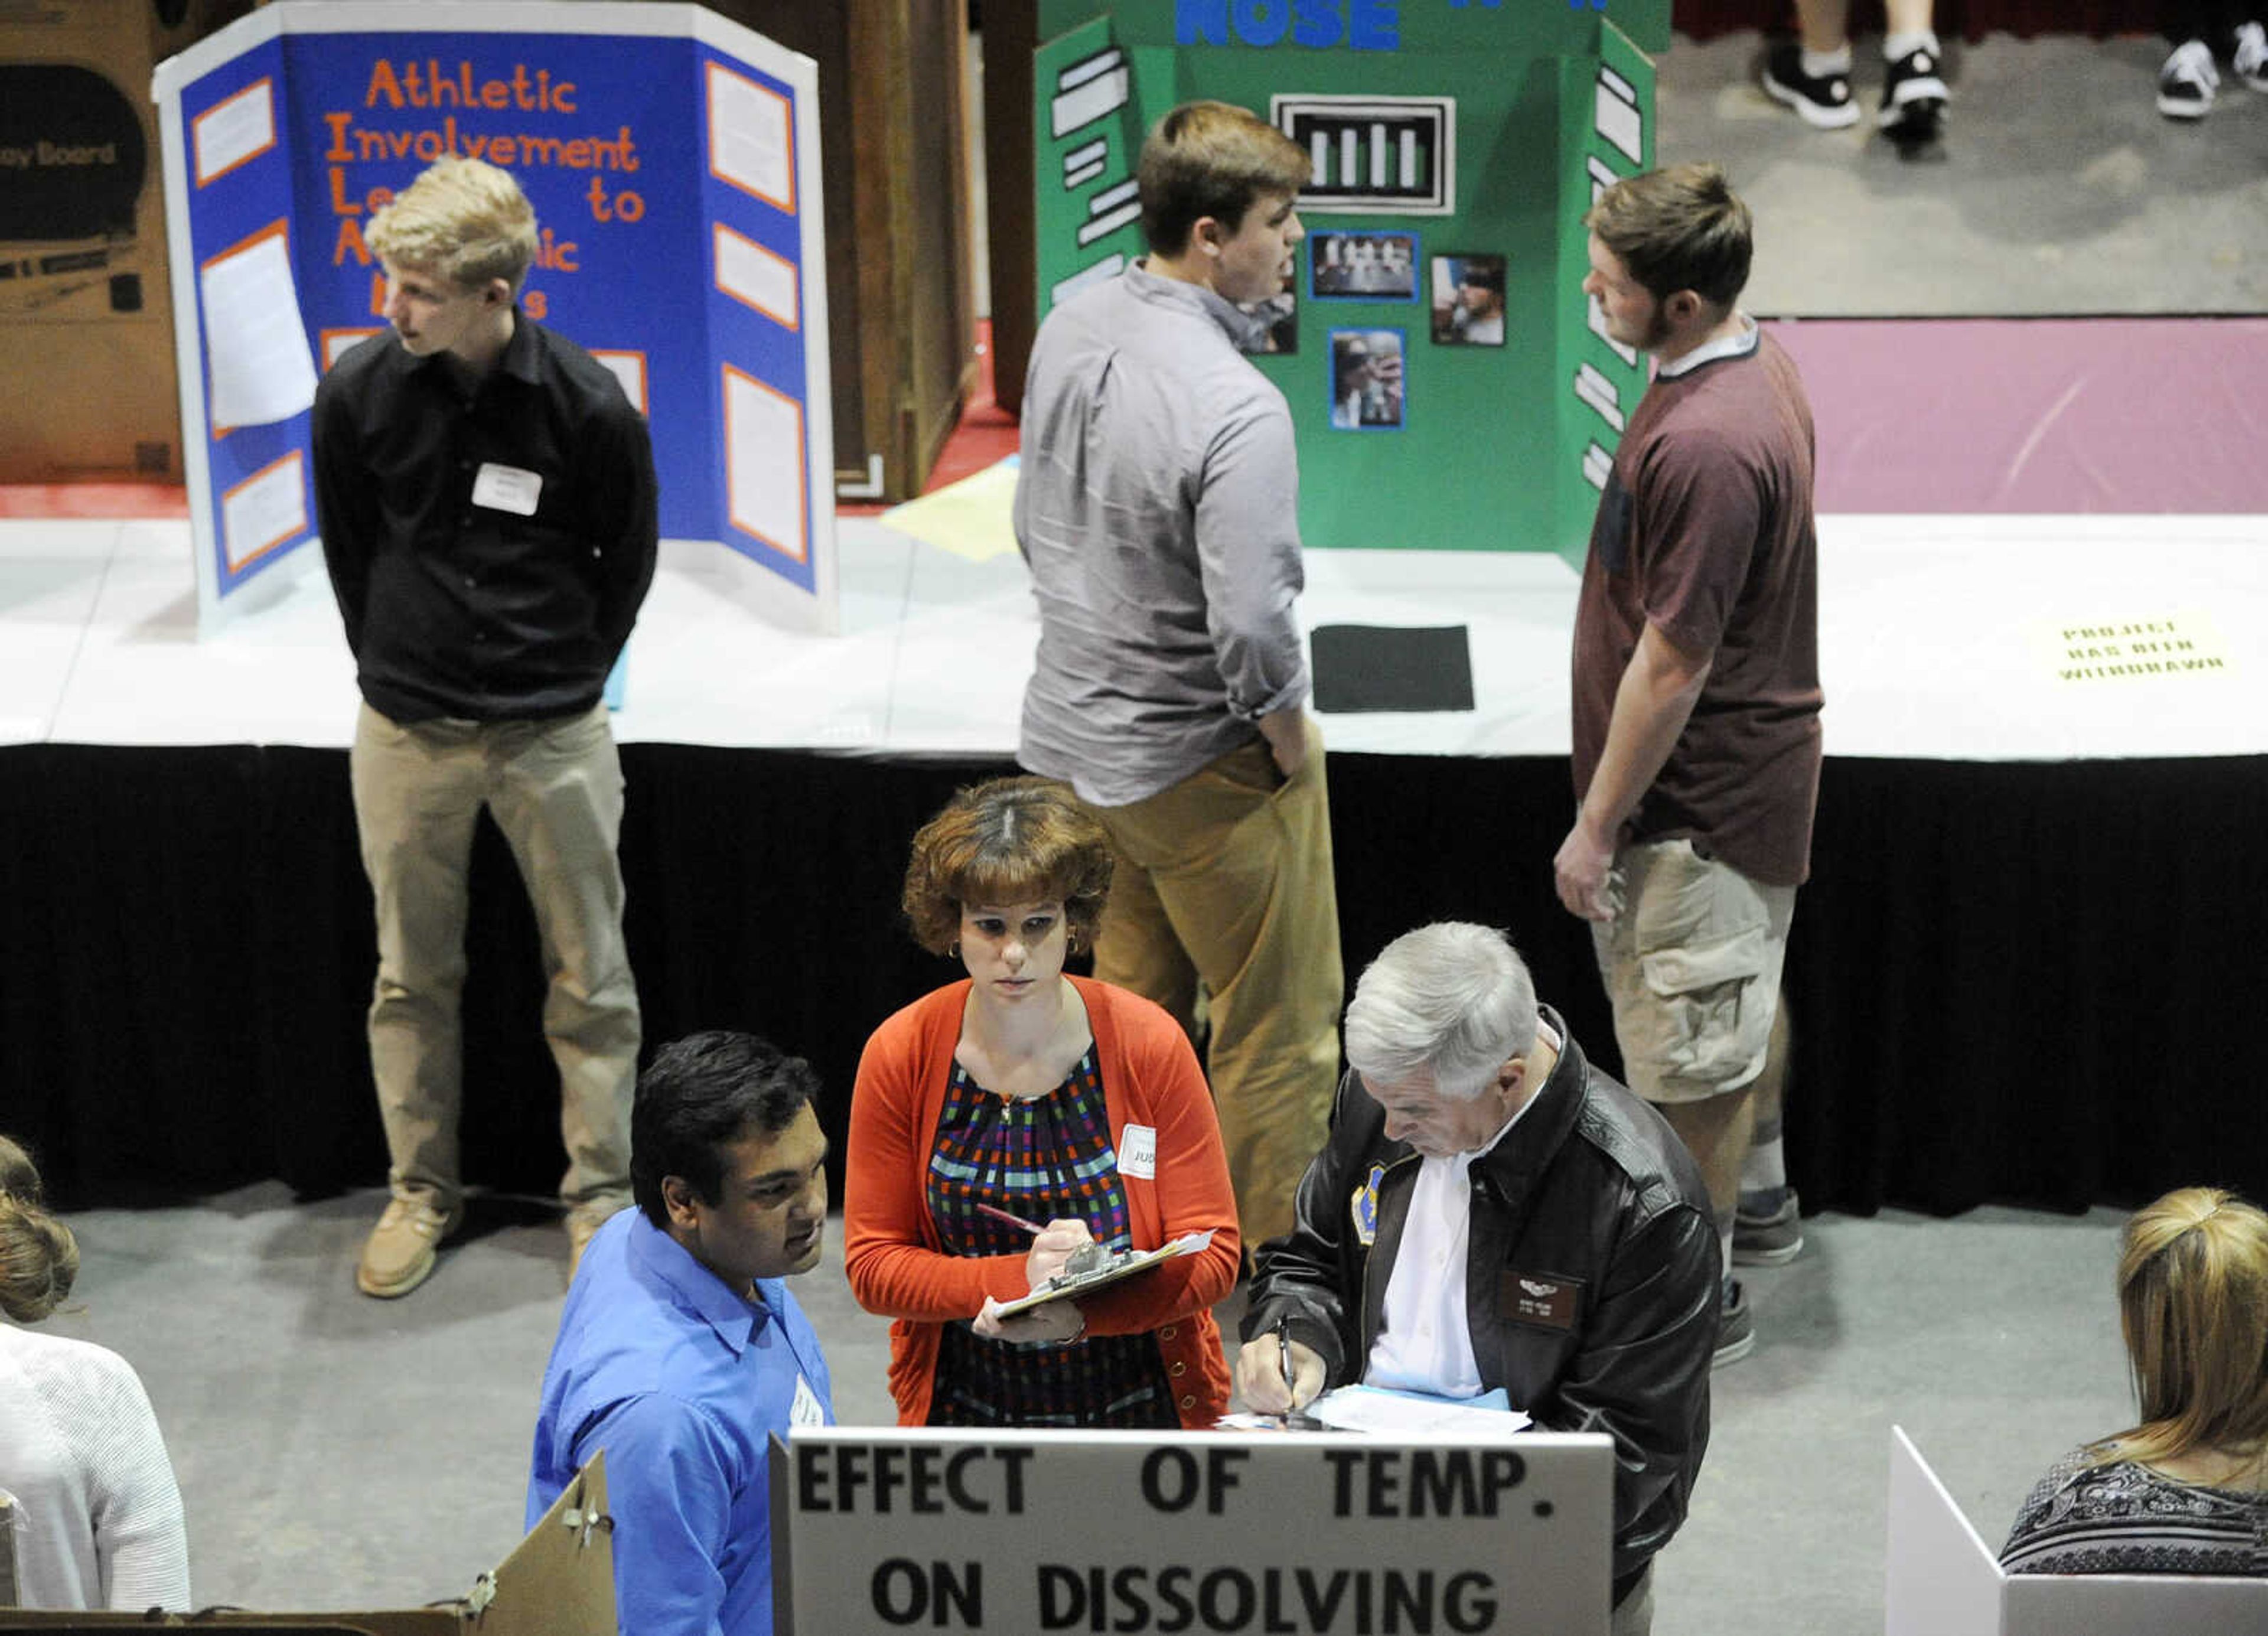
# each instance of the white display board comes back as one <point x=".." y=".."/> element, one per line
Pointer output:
<point x="1943" y="1580"/>
<point x="890" y="1530"/>
<point x="673" y="160"/>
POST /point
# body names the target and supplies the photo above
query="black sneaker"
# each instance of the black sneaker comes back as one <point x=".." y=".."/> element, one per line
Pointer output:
<point x="1824" y="101"/>
<point x="2187" y="81"/>
<point x="1736" y="1328"/>
<point x="1913" y="98"/>
<point x="1770" y="1241"/>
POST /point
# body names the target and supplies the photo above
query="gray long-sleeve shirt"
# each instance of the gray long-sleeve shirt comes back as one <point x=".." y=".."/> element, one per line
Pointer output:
<point x="1157" y="505"/>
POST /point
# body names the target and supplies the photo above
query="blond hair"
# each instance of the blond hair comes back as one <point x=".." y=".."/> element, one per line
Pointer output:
<point x="1212" y="158"/>
<point x="1679" y="228"/>
<point x="2193" y="1305"/>
<point x="39" y="1257"/>
<point x="463" y="219"/>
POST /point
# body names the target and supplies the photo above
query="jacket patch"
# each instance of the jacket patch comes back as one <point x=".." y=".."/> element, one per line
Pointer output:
<point x="1538" y="1298"/>
<point x="1365" y="1204"/>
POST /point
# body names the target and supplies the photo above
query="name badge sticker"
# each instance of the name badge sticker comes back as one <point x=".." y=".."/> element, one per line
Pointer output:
<point x="506" y="489"/>
<point x="1138" y="1151"/>
<point x="807" y="1410"/>
<point x="1540" y="1298"/>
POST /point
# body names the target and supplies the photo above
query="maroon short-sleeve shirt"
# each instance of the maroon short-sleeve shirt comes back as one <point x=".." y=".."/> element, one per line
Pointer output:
<point x="1706" y="530"/>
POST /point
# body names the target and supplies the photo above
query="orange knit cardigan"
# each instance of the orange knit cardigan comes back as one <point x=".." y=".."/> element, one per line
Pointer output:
<point x="1150" y="1076"/>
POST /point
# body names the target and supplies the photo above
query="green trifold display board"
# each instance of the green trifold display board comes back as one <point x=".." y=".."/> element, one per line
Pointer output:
<point x="1454" y="142"/>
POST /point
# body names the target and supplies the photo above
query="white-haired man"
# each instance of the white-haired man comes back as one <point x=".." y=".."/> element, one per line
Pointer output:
<point x="1493" y="1212"/>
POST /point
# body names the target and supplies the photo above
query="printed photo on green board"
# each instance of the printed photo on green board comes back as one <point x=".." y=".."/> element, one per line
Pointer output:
<point x="1367" y="384"/>
<point x="1468" y="300"/>
<point x="1368" y="266"/>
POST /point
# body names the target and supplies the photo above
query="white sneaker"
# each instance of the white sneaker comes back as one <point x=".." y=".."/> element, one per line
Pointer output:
<point x="2187" y="81"/>
<point x="2252" y="60"/>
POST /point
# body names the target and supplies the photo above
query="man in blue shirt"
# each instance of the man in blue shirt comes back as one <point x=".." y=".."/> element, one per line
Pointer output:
<point x="680" y="1351"/>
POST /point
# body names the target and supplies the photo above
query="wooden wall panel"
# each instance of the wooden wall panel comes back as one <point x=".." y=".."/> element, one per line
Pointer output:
<point x="1011" y="32"/>
<point x="894" y="156"/>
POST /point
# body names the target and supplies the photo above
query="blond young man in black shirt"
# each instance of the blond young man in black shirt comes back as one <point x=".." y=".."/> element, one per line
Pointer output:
<point x="486" y="498"/>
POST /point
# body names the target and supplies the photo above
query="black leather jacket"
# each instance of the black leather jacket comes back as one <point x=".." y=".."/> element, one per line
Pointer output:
<point x="1590" y="1198"/>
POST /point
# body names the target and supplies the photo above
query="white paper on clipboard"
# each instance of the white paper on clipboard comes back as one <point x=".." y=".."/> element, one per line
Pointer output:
<point x="1079" y="1284"/>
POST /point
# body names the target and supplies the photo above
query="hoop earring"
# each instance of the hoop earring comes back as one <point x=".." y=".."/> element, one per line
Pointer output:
<point x="952" y="949"/>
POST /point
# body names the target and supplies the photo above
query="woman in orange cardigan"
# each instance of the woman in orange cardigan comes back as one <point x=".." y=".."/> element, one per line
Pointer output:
<point x="1050" y="1097"/>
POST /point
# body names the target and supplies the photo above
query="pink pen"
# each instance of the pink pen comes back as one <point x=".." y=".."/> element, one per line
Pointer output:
<point x="1012" y="1221"/>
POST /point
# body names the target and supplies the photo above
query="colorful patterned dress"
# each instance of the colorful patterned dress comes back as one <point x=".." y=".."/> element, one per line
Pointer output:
<point x="1044" y="1158"/>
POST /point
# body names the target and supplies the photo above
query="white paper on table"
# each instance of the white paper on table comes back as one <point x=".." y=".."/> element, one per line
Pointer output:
<point x="254" y="342"/>
<point x="1370" y="1409"/>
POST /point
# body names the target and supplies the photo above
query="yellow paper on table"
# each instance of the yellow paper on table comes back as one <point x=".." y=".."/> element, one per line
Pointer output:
<point x="972" y="518"/>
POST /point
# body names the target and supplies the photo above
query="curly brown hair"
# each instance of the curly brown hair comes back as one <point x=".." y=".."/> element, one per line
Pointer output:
<point x="1007" y="841"/>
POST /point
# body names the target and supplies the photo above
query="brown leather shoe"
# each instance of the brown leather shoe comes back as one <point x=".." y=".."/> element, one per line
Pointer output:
<point x="399" y="1254"/>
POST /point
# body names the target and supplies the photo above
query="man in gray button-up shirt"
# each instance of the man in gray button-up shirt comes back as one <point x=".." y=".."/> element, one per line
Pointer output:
<point x="1157" y="507"/>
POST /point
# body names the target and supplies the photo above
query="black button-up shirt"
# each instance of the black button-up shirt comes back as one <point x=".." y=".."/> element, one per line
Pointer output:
<point x="470" y="610"/>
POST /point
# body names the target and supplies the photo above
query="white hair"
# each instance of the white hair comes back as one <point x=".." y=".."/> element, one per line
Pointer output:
<point x="1451" y="1000"/>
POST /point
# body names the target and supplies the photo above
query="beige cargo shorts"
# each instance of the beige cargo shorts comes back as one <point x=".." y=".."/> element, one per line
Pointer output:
<point x="1692" y="963"/>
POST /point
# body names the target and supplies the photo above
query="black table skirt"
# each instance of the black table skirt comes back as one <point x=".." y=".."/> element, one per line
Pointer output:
<point x="2019" y="983"/>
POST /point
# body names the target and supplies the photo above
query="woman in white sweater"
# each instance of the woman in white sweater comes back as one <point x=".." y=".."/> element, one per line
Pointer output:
<point x="96" y="1514"/>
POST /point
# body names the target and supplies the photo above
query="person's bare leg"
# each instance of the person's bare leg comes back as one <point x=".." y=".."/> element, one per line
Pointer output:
<point x="1909" y="16"/>
<point x="1771" y="1090"/>
<point x="1716" y="1132"/>
<point x="1767" y="1233"/>
<point x="1825" y="25"/>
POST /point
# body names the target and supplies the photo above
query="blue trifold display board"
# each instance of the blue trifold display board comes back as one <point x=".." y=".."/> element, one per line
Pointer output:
<point x="673" y="160"/>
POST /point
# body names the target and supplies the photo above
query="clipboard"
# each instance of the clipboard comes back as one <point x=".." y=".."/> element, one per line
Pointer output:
<point x="1133" y="1264"/>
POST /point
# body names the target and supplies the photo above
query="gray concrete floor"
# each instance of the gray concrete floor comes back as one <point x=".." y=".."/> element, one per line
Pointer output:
<point x="336" y="1452"/>
<point x="2058" y="189"/>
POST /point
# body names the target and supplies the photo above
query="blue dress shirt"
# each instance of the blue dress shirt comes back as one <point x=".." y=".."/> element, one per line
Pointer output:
<point x="682" y="1383"/>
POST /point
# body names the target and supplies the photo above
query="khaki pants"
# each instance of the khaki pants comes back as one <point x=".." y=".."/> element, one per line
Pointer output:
<point x="1226" y="878"/>
<point x="1692" y="965"/>
<point x="556" y="791"/>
